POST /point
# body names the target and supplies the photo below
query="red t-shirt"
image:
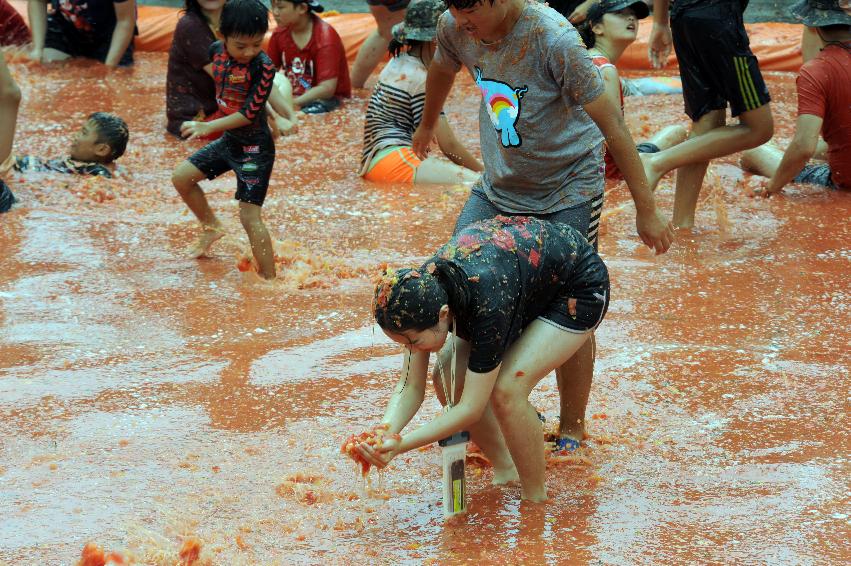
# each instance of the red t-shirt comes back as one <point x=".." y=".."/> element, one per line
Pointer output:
<point x="824" y="90"/>
<point x="321" y="59"/>
<point x="13" y="29"/>
<point x="612" y="171"/>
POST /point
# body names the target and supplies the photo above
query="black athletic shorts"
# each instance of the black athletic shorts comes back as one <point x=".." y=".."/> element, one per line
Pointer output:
<point x="63" y="36"/>
<point x="251" y="162"/>
<point x="717" y="66"/>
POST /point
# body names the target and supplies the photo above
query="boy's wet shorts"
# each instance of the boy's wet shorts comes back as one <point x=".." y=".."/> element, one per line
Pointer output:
<point x="584" y="217"/>
<point x="396" y="164"/>
<point x="392" y="5"/>
<point x="252" y="164"/>
<point x="816" y="174"/>
<point x="591" y="291"/>
<point x="63" y="36"/>
<point x="716" y="63"/>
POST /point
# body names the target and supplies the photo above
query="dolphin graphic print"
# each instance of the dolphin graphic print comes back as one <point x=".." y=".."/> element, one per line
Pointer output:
<point x="502" y="102"/>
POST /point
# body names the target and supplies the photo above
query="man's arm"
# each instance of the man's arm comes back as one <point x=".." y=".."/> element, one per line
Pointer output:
<point x="660" y="40"/>
<point x="122" y="35"/>
<point x="453" y="149"/>
<point x="801" y="150"/>
<point x="37" y="12"/>
<point x="438" y="85"/>
<point x="653" y="229"/>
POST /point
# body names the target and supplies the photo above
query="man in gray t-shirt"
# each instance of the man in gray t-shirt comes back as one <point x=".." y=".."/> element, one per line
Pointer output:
<point x="540" y="124"/>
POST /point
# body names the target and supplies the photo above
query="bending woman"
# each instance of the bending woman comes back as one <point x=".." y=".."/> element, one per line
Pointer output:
<point x="522" y="295"/>
<point x="396" y="108"/>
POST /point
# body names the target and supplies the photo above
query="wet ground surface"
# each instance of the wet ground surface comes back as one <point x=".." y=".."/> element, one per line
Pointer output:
<point x="146" y="398"/>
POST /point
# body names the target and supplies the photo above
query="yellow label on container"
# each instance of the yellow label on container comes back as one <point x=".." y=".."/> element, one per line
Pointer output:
<point x="457" y="496"/>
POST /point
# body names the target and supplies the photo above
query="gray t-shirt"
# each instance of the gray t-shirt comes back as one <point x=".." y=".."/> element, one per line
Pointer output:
<point x="542" y="152"/>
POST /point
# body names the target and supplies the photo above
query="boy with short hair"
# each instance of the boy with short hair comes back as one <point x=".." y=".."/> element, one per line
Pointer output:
<point x="717" y="67"/>
<point x="311" y="55"/>
<point x="94" y="149"/>
<point x="243" y="75"/>
<point x="824" y="106"/>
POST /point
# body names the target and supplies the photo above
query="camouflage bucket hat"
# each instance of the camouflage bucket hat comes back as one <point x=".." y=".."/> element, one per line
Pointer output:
<point x="818" y="13"/>
<point x="420" y="21"/>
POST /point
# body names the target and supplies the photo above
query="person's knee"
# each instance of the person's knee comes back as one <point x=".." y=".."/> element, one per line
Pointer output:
<point x="10" y="93"/>
<point x="760" y="125"/>
<point x="503" y="401"/>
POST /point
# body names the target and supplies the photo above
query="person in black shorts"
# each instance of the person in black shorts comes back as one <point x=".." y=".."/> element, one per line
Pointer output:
<point x="243" y="76"/>
<point x="96" y="29"/>
<point x="717" y="68"/>
<point x="521" y="295"/>
<point x="386" y="13"/>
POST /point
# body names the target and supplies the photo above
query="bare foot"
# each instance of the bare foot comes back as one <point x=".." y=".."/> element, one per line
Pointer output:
<point x="207" y="238"/>
<point x="503" y="477"/>
<point x="653" y="176"/>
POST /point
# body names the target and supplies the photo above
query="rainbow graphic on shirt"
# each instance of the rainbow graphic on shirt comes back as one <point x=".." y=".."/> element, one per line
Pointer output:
<point x="502" y="103"/>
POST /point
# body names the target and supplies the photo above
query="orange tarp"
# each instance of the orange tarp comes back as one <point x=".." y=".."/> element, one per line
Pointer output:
<point x="778" y="46"/>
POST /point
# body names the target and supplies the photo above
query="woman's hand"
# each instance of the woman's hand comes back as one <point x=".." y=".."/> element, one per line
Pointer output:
<point x="381" y="454"/>
<point x="191" y="130"/>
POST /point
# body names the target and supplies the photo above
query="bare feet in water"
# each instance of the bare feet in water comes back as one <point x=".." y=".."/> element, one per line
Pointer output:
<point x="209" y="235"/>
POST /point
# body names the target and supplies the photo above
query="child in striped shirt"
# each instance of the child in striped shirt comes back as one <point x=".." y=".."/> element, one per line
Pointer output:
<point x="396" y="106"/>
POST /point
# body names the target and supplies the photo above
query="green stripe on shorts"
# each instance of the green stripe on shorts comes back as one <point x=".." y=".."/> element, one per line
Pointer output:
<point x="746" y="86"/>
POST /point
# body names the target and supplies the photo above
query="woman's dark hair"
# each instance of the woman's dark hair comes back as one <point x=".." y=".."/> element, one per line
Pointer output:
<point x="112" y="131"/>
<point x="408" y="299"/>
<point x="396" y="47"/>
<point x="193" y="7"/>
<point x="246" y="18"/>
<point x="587" y="34"/>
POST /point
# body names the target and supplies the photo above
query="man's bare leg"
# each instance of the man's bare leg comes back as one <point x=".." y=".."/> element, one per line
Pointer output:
<point x="763" y="160"/>
<point x="710" y="139"/>
<point x="185" y="179"/>
<point x="375" y="46"/>
<point x="10" y="100"/>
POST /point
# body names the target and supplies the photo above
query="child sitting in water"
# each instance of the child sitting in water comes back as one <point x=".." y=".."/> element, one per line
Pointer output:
<point x="94" y="149"/>
<point x="311" y="56"/>
<point x="396" y="106"/>
<point x="609" y="28"/>
<point x="243" y="75"/>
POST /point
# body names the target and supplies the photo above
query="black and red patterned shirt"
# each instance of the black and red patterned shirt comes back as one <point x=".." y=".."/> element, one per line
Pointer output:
<point x="242" y="88"/>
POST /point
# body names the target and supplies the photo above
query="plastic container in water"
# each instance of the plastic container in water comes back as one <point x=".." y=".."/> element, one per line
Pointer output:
<point x="453" y="450"/>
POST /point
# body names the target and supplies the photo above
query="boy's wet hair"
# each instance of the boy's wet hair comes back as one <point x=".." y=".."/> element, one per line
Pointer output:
<point x="465" y="4"/>
<point x="408" y="299"/>
<point x="112" y="131"/>
<point x="246" y="18"/>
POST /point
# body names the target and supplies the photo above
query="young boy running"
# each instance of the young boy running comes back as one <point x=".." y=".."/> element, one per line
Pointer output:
<point x="717" y="67"/>
<point x="824" y="100"/>
<point x="243" y="75"/>
<point x="540" y="120"/>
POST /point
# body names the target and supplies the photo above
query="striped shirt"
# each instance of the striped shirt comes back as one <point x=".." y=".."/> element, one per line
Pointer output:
<point x="395" y="108"/>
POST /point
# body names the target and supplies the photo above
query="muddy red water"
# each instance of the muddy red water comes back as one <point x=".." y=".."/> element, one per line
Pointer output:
<point x="146" y="398"/>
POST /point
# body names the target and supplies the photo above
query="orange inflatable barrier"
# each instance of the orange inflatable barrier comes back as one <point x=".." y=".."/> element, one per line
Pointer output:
<point x="777" y="46"/>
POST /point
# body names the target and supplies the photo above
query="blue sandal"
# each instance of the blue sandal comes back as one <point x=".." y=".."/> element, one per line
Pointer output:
<point x="566" y="444"/>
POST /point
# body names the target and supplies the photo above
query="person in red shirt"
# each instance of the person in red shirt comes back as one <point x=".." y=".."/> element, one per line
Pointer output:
<point x="824" y="100"/>
<point x="310" y="53"/>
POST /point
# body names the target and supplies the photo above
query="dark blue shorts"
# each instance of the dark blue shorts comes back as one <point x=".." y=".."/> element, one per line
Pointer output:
<point x="251" y="162"/>
<point x="815" y="174"/>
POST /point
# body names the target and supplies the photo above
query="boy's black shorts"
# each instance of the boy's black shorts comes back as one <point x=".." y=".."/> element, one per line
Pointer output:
<point x="63" y="36"/>
<point x="251" y="162"/>
<point x="716" y="62"/>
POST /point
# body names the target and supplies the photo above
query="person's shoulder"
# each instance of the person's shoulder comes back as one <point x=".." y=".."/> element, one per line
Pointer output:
<point x="324" y="28"/>
<point x="263" y="60"/>
<point x="189" y="21"/>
